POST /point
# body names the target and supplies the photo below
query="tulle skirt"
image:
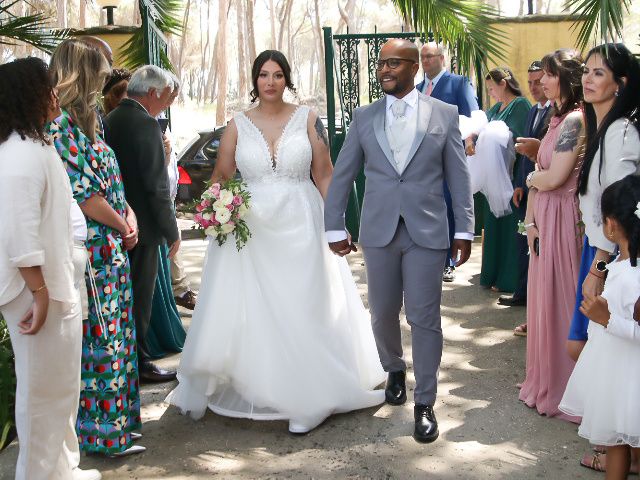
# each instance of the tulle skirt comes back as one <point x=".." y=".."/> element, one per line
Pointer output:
<point x="604" y="389"/>
<point x="279" y="330"/>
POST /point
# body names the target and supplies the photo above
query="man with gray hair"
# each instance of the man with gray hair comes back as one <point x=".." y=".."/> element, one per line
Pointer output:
<point x="135" y="136"/>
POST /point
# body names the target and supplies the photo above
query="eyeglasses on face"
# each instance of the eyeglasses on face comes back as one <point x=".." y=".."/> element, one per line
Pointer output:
<point x="392" y="63"/>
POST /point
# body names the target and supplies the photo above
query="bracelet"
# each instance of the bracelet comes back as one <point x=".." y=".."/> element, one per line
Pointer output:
<point x="39" y="289"/>
<point x="529" y="225"/>
<point x="596" y="273"/>
<point x="529" y="178"/>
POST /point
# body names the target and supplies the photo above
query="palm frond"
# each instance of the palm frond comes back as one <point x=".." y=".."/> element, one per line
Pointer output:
<point x="31" y="29"/>
<point x="169" y="21"/>
<point x="601" y="19"/>
<point x="464" y="26"/>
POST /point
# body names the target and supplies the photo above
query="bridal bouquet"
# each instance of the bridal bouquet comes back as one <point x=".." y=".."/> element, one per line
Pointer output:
<point x="221" y="211"/>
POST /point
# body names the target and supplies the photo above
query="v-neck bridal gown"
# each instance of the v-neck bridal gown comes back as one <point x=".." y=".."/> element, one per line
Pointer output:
<point x="279" y="331"/>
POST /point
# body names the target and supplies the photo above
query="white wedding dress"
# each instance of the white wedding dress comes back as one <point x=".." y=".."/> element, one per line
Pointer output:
<point x="279" y="331"/>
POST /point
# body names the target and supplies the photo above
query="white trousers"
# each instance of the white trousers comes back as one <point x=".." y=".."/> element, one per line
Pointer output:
<point x="48" y="384"/>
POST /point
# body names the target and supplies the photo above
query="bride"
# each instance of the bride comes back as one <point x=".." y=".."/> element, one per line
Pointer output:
<point x="279" y="331"/>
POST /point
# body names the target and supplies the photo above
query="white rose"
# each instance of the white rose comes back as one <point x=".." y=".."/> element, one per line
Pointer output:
<point x="207" y="216"/>
<point x="223" y="215"/>
<point x="219" y="205"/>
<point x="207" y="194"/>
<point x="227" y="228"/>
<point x="242" y="210"/>
<point x="211" y="231"/>
<point x="226" y="197"/>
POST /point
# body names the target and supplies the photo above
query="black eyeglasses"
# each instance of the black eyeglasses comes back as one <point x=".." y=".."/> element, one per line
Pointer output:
<point x="392" y="63"/>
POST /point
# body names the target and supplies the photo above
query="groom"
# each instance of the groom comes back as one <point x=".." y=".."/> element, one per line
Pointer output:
<point x="408" y="143"/>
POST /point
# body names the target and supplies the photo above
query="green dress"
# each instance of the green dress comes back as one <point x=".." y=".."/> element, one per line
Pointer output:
<point x="166" y="333"/>
<point x="500" y="248"/>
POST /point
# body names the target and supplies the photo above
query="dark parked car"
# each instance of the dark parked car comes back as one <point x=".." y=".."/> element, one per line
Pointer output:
<point x="196" y="162"/>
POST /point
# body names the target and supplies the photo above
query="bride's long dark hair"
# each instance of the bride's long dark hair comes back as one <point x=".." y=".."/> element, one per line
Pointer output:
<point x="263" y="58"/>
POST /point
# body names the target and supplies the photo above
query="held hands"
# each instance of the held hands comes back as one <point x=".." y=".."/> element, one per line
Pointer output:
<point x="34" y="319"/>
<point x="596" y="309"/>
<point x="343" y="247"/>
<point x="461" y="248"/>
<point x="592" y="285"/>
<point x="528" y="147"/>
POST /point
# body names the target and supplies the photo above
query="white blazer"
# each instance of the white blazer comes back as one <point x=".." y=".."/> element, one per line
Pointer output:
<point x="35" y="220"/>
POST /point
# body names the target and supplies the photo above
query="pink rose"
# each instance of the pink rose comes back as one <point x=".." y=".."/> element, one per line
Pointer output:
<point x="197" y="218"/>
<point x="216" y="190"/>
<point x="199" y="207"/>
<point x="237" y="200"/>
<point x="230" y="207"/>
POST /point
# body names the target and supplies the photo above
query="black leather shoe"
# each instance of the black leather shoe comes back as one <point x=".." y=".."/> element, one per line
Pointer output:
<point x="512" y="301"/>
<point x="426" y="429"/>
<point x="150" y="373"/>
<point x="395" y="392"/>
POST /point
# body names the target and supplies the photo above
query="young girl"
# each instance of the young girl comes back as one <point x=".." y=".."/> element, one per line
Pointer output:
<point x="605" y="383"/>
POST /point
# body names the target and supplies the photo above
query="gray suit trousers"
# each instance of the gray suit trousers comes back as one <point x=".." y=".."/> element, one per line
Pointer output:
<point x="404" y="268"/>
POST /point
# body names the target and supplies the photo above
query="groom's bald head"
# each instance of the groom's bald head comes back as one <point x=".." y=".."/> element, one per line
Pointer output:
<point x="397" y="67"/>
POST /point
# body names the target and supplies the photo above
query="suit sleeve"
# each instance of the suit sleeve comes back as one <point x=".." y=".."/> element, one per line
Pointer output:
<point x="155" y="181"/>
<point x="456" y="172"/>
<point x="468" y="100"/>
<point x="348" y="165"/>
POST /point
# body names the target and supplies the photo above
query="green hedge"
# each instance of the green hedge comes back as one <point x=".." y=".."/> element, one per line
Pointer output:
<point x="7" y="386"/>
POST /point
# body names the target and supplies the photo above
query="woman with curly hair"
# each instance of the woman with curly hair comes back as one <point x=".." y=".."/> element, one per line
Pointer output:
<point x="109" y="413"/>
<point x="40" y="274"/>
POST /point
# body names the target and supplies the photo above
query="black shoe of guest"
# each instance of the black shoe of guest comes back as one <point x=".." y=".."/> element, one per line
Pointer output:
<point x="512" y="301"/>
<point x="188" y="300"/>
<point x="426" y="428"/>
<point x="150" y="373"/>
<point x="395" y="392"/>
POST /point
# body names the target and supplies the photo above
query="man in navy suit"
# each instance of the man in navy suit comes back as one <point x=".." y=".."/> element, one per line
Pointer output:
<point x="536" y="127"/>
<point x="454" y="90"/>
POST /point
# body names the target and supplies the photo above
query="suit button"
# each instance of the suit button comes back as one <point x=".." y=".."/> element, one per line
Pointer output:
<point x="401" y="180"/>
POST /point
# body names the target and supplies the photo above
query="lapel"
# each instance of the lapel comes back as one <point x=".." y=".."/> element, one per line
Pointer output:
<point x="531" y="120"/>
<point x="379" y="116"/>
<point x="440" y="85"/>
<point x="425" y="108"/>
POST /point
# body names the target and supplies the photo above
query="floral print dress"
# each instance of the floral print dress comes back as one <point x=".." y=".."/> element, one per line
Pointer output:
<point x="110" y="399"/>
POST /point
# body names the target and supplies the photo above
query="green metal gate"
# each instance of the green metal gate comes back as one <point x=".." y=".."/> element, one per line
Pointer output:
<point x="348" y="95"/>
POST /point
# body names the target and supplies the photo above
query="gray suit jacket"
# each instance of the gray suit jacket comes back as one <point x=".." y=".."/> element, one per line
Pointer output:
<point x="416" y="194"/>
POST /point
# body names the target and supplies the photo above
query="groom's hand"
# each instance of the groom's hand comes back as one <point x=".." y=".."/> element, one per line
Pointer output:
<point x="343" y="247"/>
<point x="462" y="248"/>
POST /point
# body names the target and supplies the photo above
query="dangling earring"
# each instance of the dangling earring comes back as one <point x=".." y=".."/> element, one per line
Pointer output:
<point x="610" y="234"/>
<point x="617" y="94"/>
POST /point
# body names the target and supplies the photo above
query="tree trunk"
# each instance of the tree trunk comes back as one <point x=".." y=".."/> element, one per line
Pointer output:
<point x="272" y="16"/>
<point x="221" y="70"/>
<point x="251" y="37"/>
<point x="61" y="9"/>
<point x="82" y="13"/>
<point x="242" y="67"/>
<point x="317" y="28"/>
<point x="346" y="15"/>
<point x="183" y="41"/>
<point x="285" y="15"/>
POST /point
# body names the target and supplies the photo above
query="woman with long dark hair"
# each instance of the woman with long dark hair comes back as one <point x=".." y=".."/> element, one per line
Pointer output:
<point x="279" y="331"/>
<point x="612" y="103"/>
<point x="554" y="238"/>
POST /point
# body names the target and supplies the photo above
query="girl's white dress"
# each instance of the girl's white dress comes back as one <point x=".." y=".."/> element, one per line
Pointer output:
<point x="279" y="330"/>
<point x="604" y="388"/>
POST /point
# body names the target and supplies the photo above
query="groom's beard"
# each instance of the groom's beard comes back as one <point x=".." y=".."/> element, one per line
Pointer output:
<point x="391" y="87"/>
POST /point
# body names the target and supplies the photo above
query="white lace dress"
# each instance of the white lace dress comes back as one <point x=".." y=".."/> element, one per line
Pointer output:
<point x="279" y="330"/>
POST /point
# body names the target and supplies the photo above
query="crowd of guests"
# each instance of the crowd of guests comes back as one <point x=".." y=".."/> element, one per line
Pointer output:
<point x="89" y="234"/>
<point x="96" y="178"/>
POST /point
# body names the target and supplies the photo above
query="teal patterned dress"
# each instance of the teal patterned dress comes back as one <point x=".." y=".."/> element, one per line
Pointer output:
<point x="110" y="399"/>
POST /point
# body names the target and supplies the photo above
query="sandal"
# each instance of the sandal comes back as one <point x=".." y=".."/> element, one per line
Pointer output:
<point x="520" y="330"/>
<point x="593" y="461"/>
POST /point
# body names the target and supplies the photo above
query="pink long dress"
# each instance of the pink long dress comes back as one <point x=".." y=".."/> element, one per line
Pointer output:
<point x="553" y="277"/>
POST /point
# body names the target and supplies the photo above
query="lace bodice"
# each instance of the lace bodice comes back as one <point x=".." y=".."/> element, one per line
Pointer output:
<point x="292" y="154"/>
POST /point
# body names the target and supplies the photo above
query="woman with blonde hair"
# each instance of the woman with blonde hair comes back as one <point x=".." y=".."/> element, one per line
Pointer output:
<point x="109" y="411"/>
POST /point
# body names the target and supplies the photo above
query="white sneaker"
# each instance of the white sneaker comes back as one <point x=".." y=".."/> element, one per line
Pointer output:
<point x="297" y="427"/>
<point x="132" y="450"/>
<point x="136" y="436"/>
<point x="78" y="474"/>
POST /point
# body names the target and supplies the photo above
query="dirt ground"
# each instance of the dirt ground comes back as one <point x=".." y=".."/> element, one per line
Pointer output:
<point x="485" y="432"/>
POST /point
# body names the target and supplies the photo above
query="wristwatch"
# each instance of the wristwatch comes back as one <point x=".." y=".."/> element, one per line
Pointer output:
<point x="601" y="266"/>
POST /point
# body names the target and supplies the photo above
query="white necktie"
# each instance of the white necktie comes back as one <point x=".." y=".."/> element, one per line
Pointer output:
<point x="398" y="131"/>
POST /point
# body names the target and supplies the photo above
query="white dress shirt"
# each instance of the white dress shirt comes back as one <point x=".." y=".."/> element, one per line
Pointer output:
<point x="35" y="194"/>
<point x="412" y="112"/>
